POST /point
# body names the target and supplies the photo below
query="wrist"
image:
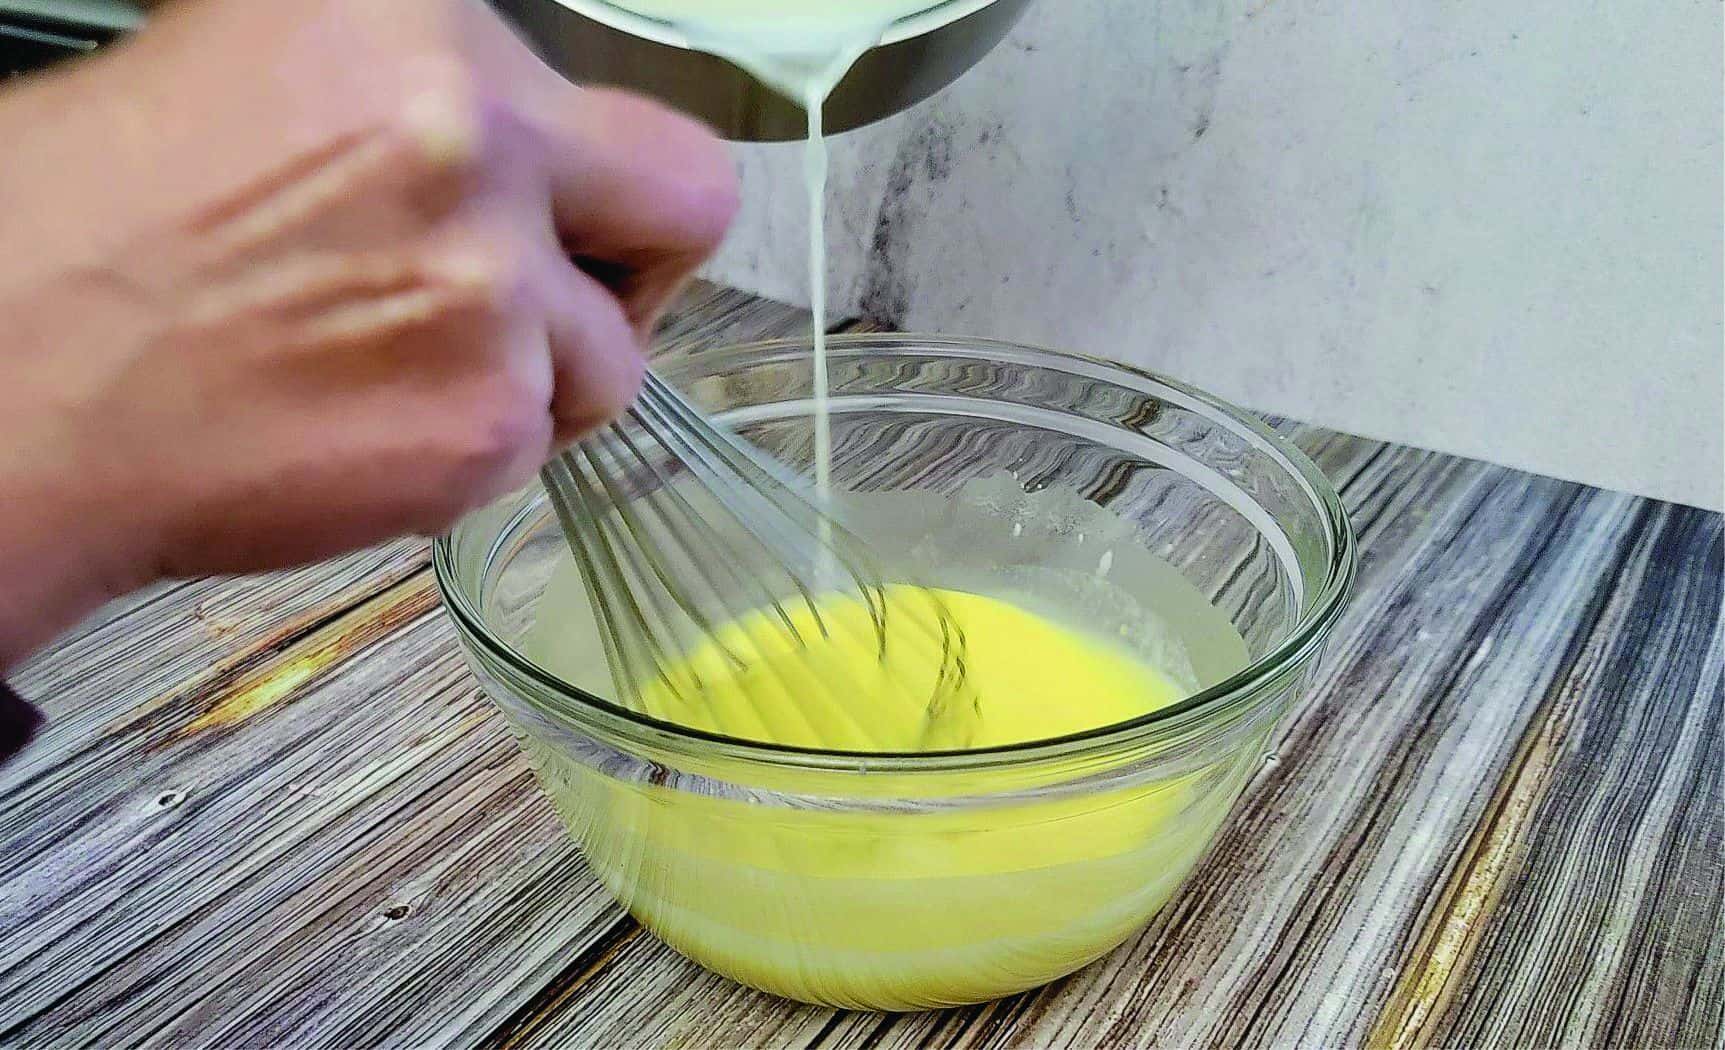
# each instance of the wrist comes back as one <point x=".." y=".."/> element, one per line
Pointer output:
<point x="62" y="554"/>
<point x="71" y="536"/>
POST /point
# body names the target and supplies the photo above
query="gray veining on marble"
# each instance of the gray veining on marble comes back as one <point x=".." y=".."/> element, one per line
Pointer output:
<point x="1493" y="230"/>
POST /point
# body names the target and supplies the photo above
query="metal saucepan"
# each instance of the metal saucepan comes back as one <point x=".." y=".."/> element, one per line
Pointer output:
<point x="918" y="57"/>
<point x="901" y="72"/>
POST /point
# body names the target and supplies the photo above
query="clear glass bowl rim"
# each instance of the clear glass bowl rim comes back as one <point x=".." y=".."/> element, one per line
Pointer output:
<point x="1317" y="616"/>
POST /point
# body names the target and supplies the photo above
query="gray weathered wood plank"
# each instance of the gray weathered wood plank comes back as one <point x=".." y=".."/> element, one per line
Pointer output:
<point x="174" y="647"/>
<point x="278" y="812"/>
<point x="1611" y="928"/>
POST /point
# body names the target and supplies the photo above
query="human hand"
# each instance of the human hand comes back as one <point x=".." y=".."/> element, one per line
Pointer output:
<point x="281" y="280"/>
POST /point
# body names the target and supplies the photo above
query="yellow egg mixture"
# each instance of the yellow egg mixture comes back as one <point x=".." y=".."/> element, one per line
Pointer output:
<point x="872" y="906"/>
<point x="832" y="679"/>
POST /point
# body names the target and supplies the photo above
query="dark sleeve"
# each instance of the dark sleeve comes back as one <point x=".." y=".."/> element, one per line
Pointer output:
<point x="18" y="722"/>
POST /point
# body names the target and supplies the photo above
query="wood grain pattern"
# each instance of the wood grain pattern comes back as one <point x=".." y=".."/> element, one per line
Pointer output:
<point x="1628" y="843"/>
<point x="277" y="811"/>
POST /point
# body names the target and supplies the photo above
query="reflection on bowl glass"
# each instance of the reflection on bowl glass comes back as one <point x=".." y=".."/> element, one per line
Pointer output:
<point x="1098" y="496"/>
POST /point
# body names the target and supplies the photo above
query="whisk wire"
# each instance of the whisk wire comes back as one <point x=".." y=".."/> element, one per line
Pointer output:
<point x="691" y="520"/>
<point x="606" y="587"/>
<point x="634" y="524"/>
<point x="666" y="501"/>
<point x="762" y="478"/>
<point x="696" y="441"/>
<point x="669" y="576"/>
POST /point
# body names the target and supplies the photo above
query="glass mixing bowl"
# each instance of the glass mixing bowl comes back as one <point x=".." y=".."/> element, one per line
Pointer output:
<point x="1107" y="496"/>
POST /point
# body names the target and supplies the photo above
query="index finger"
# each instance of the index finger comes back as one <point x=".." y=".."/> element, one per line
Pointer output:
<point x="640" y="195"/>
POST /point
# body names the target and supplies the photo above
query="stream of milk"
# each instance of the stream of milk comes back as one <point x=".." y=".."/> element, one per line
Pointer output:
<point x="802" y="49"/>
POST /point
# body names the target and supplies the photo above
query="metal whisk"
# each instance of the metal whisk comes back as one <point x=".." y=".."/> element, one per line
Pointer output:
<point x="729" y="599"/>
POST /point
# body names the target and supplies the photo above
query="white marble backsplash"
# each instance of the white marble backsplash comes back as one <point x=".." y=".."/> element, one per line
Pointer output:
<point x="1489" y="229"/>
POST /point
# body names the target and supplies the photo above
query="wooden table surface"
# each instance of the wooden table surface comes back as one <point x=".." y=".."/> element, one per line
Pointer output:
<point x="277" y="811"/>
